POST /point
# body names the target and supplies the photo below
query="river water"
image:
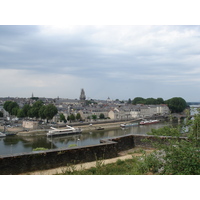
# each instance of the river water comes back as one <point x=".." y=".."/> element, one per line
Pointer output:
<point x="20" y="144"/>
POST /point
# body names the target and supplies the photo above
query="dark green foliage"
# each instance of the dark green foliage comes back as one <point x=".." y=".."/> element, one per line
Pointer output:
<point x="89" y="102"/>
<point x="176" y="104"/>
<point x="50" y="111"/>
<point x="78" y="116"/>
<point x="126" y="167"/>
<point x="25" y="109"/>
<point x="182" y="158"/>
<point x="148" y="101"/>
<point x="11" y="107"/>
<point x="34" y="109"/>
<point x="101" y="116"/>
<point x="71" y="117"/>
<point x="20" y="113"/>
<point x="138" y="100"/>
<point x="42" y="112"/>
<point x="165" y="131"/>
<point x="94" y="117"/>
<point x="62" y="118"/>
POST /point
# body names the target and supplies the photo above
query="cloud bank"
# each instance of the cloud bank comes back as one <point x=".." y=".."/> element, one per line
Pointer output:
<point x="116" y="61"/>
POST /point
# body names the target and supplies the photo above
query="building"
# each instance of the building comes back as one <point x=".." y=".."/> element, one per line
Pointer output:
<point x="82" y="96"/>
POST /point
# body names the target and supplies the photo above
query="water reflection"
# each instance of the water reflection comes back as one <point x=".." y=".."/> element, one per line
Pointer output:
<point x="21" y="144"/>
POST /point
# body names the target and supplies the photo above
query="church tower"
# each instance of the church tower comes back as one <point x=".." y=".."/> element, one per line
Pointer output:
<point x="82" y="96"/>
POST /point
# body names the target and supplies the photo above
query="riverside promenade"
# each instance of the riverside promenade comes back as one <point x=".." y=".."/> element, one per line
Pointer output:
<point x="85" y="126"/>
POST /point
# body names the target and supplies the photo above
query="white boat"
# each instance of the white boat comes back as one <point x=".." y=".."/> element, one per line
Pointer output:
<point x="145" y="122"/>
<point x="67" y="131"/>
<point x="128" y="125"/>
<point x="2" y="134"/>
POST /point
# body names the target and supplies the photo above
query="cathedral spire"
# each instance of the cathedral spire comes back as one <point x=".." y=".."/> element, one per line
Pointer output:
<point x="82" y="96"/>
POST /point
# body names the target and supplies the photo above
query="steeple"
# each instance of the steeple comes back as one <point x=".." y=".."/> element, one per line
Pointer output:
<point x="82" y="96"/>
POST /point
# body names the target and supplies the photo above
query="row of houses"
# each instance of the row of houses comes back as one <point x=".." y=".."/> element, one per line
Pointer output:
<point x="113" y="110"/>
<point x="120" y="112"/>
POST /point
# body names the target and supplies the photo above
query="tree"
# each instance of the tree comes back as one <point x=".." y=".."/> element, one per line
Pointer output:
<point x="160" y="101"/>
<point x="42" y="112"/>
<point x="176" y="104"/>
<point x="102" y="116"/>
<point x="94" y="117"/>
<point x="71" y="117"/>
<point x="151" y="101"/>
<point x="78" y="116"/>
<point x="25" y="109"/>
<point x="20" y="113"/>
<point x="50" y="111"/>
<point x="11" y="107"/>
<point x="138" y="100"/>
<point x="62" y="117"/>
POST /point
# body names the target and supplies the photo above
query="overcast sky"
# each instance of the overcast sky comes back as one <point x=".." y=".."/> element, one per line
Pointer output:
<point x="107" y="61"/>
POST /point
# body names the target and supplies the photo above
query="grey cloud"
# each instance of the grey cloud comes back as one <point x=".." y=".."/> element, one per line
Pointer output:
<point x="139" y="56"/>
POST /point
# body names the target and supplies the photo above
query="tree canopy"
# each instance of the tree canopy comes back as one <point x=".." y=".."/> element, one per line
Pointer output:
<point x="37" y="110"/>
<point x="148" y="101"/>
<point x="176" y="104"/>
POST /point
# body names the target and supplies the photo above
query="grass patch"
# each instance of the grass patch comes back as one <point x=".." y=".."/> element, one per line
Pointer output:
<point x="40" y="149"/>
<point x="121" y="167"/>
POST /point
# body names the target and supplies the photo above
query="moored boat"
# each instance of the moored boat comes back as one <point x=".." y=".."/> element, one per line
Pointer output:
<point x="128" y="125"/>
<point x="2" y="134"/>
<point x="67" y="131"/>
<point x="99" y="128"/>
<point x="145" y="122"/>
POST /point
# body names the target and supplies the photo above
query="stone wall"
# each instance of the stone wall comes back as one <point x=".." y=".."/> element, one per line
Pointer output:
<point x="28" y="162"/>
<point x="30" y="124"/>
<point x="41" y="160"/>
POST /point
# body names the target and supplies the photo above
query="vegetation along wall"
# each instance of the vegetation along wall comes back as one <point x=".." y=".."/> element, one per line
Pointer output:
<point x="22" y="163"/>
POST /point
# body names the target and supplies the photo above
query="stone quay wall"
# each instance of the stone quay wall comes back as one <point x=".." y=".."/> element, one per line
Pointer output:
<point x="42" y="160"/>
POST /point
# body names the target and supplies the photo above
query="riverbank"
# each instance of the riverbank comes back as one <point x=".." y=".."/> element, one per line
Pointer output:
<point x="84" y="127"/>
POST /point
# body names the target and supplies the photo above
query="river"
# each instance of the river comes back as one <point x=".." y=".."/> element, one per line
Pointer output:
<point x="22" y="144"/>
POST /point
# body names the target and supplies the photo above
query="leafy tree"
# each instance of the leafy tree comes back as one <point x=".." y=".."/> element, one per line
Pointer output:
<point x="25" y="109"/>
<point x="102" y="116"/>
<point x="62" y="117"/>
<point x="42" y="112"/>
<point x="31" y="112"/>
<point x="176" y="104"/>
<point x="20" y="113"/>
<point x="14" y="110"/>
<point x="11" y="107"/>
<point x="50" y="111"/>
<point x="36" y="107"/>
<point x="160" y="101"/>
<point x="94" y="117"/>
<point x="151" y="101"/>
<point x="71" y="117"/>
<point x="6" y="105"/>
<point x="138" y="100"/>
<point x="78" y="116"/>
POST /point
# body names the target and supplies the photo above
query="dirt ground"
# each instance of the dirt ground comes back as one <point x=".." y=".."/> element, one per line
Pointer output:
<point x="122" y="156"/>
